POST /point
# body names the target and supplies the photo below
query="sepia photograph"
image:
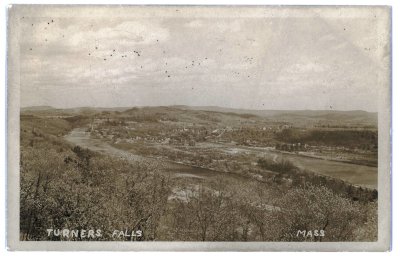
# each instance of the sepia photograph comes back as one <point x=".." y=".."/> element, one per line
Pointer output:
<point x="250" y="126"/>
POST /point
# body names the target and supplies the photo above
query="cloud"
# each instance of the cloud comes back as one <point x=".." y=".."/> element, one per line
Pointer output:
<point x="306" y="67"/>
<point x="220" y="60"/>
<point x="194" y="24"/>
<point x="232" y="26"/>
<point x="125" y="34"/>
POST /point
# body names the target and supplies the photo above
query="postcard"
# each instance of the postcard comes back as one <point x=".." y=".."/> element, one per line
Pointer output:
<point x="199" y="128"/>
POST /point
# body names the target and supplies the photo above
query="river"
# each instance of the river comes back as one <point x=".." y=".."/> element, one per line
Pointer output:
<point x="79" y="137"/>
<point x="356" y="174"/>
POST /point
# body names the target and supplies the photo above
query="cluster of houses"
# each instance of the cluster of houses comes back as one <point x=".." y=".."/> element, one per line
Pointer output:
<point x="178" y="141"/>
<point x="291" y="146"/>
<point x="179" y="134"/>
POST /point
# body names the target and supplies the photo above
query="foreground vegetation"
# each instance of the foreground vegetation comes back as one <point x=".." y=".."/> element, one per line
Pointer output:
<point x="65" y="186"/>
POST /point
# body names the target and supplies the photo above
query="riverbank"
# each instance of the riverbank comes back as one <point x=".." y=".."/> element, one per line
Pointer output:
<point x="355" y="174"/>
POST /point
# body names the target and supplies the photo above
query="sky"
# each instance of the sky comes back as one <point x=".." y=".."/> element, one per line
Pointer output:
<point x="250" y="58"/>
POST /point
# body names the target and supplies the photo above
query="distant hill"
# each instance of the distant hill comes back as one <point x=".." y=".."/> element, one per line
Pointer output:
<point x="47" y="110"/>
<point x="326" y="114"/>
<point x="300" y="117"/>
<point x="37" y="108"/>
<point x="207" y="113"/>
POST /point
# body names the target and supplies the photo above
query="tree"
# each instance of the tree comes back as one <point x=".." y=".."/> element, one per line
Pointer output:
<point x="318" y="208"/>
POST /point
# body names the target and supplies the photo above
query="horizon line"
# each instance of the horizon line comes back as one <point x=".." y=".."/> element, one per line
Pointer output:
<point x="198" y="106"/>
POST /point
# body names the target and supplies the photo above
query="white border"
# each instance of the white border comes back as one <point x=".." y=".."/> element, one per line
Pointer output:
<point x="395" y="42"/>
